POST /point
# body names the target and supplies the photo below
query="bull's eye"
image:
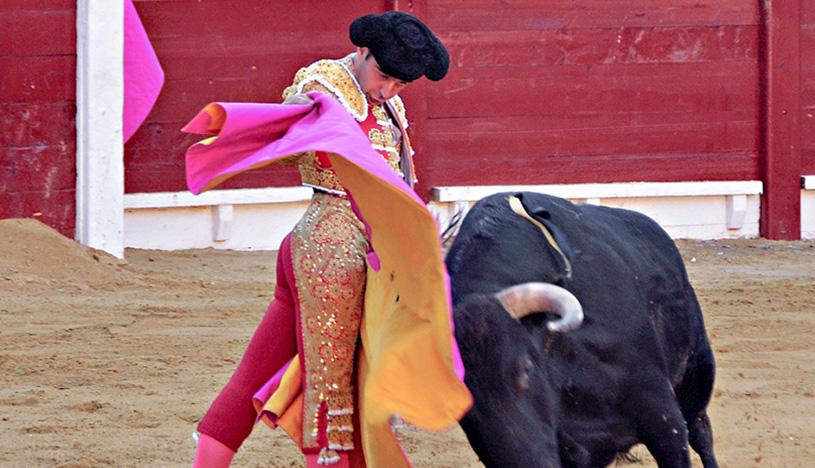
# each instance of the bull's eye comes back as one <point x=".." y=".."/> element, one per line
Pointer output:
<point x="525" y="369"/>
<point x="522" y="382"/>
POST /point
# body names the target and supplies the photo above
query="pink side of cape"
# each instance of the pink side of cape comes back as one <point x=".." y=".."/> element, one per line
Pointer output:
<point x="250" y="135"/>
<point x="266" y="391"/>
<point x="143" y="76"/>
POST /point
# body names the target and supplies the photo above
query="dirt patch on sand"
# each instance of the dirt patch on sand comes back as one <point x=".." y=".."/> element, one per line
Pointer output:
<point x="31" y="252"/>
<point x="107" y="362"/>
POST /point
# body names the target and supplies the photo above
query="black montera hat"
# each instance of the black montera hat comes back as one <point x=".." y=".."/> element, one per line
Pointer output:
<point x="402" y="45"/>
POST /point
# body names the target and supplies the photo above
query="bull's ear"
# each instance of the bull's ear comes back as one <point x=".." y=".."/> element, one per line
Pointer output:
<point x="541" y="213"/>
<point x="537" y="210"/>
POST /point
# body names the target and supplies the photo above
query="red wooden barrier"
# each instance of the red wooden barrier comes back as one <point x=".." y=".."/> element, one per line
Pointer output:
<point x="595" y="91"/>
<point x="538" y="92"/>
<point x="37" y="110"/>
<point x="228" y="51"/>
<point x="807" y="104"/>
<point x="781" y="150"/>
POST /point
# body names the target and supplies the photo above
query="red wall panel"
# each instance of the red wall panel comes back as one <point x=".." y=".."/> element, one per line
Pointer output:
<point x="595" y="91"/>
<point x="37" y="111"/>
<point x="495" y="15"/>
<point x="223" y="50"/>
<point x="557" y="92"/>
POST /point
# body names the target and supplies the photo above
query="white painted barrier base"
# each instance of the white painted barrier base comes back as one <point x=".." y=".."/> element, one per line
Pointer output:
<point x="258" y="219"/>
<point x="695" y="210"/>
<point x="808" y="207"/>
<point x="247" y="219"/>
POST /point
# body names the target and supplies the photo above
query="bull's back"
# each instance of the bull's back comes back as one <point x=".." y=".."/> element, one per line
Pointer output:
<point x="670" y="301"/>
<point x="644" y="264"/>
<point x="626" y="270"/>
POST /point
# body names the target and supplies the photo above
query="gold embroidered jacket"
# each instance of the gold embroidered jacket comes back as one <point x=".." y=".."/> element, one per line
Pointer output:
<point x="334" y="77"/>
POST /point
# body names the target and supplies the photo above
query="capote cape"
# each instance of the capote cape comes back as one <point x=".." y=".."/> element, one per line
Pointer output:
<point x="409" y="364"/>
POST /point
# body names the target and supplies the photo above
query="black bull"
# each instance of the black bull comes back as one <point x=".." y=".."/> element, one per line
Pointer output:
<point x="638" y="369"/>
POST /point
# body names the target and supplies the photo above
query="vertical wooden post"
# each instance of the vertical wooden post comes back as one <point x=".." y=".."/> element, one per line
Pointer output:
<point x="99" y="147"/>
<point x="780" y="120"/>
<point x="415" y="98"/>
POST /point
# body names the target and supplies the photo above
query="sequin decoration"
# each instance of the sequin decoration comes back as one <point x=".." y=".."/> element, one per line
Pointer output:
<point x="384" y="141"/>
<point x="334" y="77"/>
<point x="328" y="251"/>
<point x="313" y="174"/>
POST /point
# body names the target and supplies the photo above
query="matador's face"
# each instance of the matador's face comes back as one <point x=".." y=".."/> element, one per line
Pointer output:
<point x="376" y="85"/>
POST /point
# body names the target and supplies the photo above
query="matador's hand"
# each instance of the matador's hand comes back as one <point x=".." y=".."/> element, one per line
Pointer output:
<point x="298" y="98"/>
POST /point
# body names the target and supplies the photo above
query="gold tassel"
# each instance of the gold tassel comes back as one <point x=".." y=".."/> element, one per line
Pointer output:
<point x="328" y="457"/>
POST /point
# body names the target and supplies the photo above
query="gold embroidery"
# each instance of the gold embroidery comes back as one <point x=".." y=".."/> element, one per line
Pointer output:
<point x="400" y="110"/>
<point x="313" y="174"/>
<point x="341" y="440"/>
<point x="332" y="77"/>
<point x="383" y="142"/>
<point x="328" y="252"/>
<point x="381" y="115"/>
<point x="378" y="137"/>
<point x="406" y="147"/>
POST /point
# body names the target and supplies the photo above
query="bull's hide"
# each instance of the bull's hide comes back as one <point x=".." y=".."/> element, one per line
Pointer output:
<point x="638" y="369"/>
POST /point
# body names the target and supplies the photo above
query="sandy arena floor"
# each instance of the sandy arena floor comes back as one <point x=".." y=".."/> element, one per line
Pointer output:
<point x="111" y="363"/>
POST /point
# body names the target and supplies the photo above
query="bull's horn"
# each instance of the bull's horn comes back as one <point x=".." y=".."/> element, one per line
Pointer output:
<point x="529" y="298"/>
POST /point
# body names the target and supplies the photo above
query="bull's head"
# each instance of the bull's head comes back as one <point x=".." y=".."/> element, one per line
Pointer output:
<point x="513" y="419"/>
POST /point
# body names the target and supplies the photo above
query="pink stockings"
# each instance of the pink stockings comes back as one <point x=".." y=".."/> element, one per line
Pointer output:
<point x="213" y="454"/>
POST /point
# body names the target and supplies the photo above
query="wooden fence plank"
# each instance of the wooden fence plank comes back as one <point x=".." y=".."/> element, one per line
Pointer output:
<point x="781" y="153"/>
